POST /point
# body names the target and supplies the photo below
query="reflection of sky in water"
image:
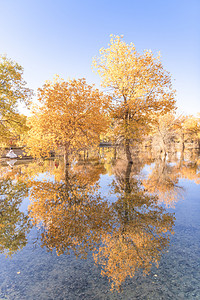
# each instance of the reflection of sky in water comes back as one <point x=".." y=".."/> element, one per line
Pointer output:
<point x="105" y="190"/>
<point x="33" y="273"/>
<point x="24" y="205"/>
<point x="147" y="170"/>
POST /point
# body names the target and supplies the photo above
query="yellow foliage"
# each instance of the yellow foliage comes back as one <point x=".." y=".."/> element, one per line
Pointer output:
<point x="163" y="181"/>
<point x="140" y="85"/>
<point x="71" y="114"/>
<point x="14" y="224"/>
<point x="12" y="92"/>
<point x="140" y="234"/>
<point x="71" y="213"/>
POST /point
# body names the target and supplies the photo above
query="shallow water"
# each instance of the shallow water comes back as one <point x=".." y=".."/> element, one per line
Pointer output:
<point x="102" y="214"/>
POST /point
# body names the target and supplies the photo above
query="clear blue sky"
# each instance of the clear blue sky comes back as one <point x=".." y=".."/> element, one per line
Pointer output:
<point x="61" y="37"/>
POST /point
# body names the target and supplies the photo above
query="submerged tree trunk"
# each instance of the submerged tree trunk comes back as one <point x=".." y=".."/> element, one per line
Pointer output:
<point x="127" y="178"/>
<point x="66" y="154"/>
<point x="181" y="159"/>
<point x="183" y="142"/>
<point x="66" y="174"/>
<point x="128" y="151"/>
<point x="127" y="190"/>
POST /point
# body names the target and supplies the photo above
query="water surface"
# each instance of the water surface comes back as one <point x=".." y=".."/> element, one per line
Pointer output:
<point x="101" y="228"/>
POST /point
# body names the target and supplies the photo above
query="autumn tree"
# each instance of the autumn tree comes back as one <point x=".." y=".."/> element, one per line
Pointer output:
<point x="190" y="130"/>
<point x="140" y="86"/>
<point x="164" y="132"/>
<point x="70" y="114"/>
<point x="13" y="91"/>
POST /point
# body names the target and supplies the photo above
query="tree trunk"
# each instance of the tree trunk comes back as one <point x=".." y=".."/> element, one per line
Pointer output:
<point x="115" y="153"/>
<point x="181" y="159"/>
<point x="128" y="151"/>
<point x="127" y="189"/>
<point x="66" y="167"/>
<point x="164" y="148"/>
<point x="127" y="135"/>
<point x="66" y="174"/>
<point x="127" y="178"/>
<point x="183" y="142"/>
<point x="66" y="154"/>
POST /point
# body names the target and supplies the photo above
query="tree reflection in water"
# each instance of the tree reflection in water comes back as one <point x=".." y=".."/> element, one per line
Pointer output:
<point x="71" y="213"/>
<point x="140" y="234"/>
<point x="124" y="237"/>
<point x="14" y="224"/>
<point x="163" y="181"/>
